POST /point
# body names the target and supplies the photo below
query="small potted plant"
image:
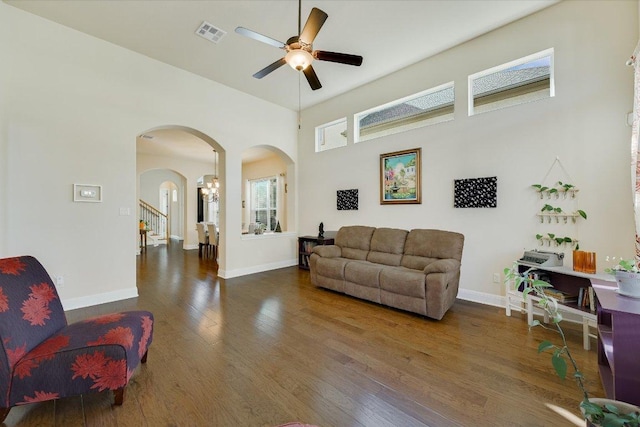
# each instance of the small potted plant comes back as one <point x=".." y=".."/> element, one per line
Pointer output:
<point x="597" y="412"/>
<point x="627" y="276"/>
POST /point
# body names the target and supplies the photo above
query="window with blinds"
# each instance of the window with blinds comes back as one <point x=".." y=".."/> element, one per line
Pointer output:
<point x="264" y="202"/>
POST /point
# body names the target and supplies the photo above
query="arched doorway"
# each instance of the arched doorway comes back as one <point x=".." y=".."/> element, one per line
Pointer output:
<point x="190" y="154"/>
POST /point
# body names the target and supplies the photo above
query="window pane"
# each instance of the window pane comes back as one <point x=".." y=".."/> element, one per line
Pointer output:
<point x="432" y="106"/>
<point x="526" y="79"/>
<point x="264" y="201"/>
<point x="273" y="192"/>
<point x="331" y="135"/>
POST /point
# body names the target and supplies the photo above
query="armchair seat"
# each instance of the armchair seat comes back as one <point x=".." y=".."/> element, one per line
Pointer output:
<point x="44" y="358"/>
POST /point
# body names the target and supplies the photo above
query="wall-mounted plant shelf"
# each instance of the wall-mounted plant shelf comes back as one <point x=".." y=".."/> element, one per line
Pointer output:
<point x="558" y="217"/>
<point x="553" y="240"/>
<point x="561" y="190"/>
<point x="548" y="241"/>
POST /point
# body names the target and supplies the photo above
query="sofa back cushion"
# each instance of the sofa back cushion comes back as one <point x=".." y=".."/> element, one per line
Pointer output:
<point x="426" y="246"/>
<point x="355" y="241"/>
<point x="387" y="246"/>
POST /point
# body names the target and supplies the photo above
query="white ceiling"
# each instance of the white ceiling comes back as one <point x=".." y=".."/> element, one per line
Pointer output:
<point x="389" y="34"/>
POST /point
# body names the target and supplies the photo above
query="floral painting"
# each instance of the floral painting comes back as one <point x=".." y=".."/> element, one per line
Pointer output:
<point x="400" y="177"/>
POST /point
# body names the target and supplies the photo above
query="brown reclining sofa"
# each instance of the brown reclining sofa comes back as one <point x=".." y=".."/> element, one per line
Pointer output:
<point x="416" y="271"/>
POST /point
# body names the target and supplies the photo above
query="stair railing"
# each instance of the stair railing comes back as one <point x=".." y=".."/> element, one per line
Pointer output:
<point x="154" y="220"/>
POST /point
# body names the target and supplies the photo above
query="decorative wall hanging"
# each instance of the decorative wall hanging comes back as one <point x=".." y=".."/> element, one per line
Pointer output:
<point x="400" y="180"/>
<point x="348" y="200"/>
<point x="475" y="193"/>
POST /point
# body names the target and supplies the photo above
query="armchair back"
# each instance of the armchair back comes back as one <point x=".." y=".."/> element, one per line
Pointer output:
<point x="30" y="312"/>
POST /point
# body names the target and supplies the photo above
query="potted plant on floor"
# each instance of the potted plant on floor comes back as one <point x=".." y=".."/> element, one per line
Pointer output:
<point x="597" y="412"/>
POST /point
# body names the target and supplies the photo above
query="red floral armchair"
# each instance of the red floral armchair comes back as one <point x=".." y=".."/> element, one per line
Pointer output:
<point x="44" y="358"/>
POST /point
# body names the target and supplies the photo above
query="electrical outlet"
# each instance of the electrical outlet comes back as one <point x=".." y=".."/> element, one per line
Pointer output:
<point x="59" y="281"/>
<point x="496" y="277"/>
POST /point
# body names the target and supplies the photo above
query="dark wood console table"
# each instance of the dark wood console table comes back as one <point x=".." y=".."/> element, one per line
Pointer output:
<point x="618" y="344"/>
<point x="306" y="244"/>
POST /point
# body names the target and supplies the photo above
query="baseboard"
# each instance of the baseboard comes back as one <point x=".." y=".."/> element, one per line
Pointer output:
<point x="189" y="247"/>
<point x="482" y="298"/>
<point x="81" y="302"/>
<point x="228" y="274"/>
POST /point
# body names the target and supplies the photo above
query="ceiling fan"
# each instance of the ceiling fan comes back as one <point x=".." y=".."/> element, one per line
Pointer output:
<point x="300" y="53"/>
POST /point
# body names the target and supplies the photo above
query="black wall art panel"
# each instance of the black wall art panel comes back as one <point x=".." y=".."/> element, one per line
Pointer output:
<point x="475" y="193"/>
<point x="348" y="200"/>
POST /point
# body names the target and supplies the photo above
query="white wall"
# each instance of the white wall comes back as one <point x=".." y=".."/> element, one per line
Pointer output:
<point x="72" y="106"/>
<point x="584" y="125"/>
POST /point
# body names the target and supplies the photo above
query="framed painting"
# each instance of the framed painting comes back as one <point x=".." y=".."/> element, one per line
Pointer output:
<point x="400" y="181"/>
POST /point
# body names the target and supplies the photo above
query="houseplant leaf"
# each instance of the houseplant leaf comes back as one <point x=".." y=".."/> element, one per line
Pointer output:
<point x="559" y="364"/>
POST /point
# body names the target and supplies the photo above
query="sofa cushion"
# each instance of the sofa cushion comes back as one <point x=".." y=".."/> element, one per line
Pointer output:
<point x="363" y="273"/>
<point x="403" y="281"/>
<point x="426" y="246"/>
<point x="355" y="241"/>
<point x="387" y="245"/>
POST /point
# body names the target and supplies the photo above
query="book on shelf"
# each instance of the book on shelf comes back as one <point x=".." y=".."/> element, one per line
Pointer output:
<point x="561" y="297"/>
<point x="307" y="247"/>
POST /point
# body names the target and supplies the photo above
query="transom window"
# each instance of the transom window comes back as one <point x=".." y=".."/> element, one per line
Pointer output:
<point x="428" y="107"/>
<point x="516" y="82"/>
<point x="331" y="135"/>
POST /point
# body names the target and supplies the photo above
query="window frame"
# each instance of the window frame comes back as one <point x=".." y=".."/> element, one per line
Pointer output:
<point x="253" y="211"/>
<point x="405" y="124"/>
<point x="471" y="104"/>
<point x="321" y="128"/>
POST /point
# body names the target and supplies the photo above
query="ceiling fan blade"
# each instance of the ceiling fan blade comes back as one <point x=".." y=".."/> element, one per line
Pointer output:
<point x="312" y="27"/>
<point x="342" y="58"/>
<point x="269" y="68"/>
<point x="312" y="78"/>
<point x="257" y="36"/>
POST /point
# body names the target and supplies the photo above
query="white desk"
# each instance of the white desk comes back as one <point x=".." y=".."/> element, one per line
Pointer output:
<point x="569" y="278"/>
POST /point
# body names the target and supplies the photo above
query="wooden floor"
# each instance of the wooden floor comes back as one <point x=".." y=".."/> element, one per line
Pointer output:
<point x="270" y="348"/>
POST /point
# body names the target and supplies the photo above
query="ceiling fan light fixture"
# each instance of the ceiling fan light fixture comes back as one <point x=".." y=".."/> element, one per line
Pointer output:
<point x="298" y="59"/>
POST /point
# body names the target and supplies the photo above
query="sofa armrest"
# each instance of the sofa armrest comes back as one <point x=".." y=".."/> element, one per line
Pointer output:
<point x="328" y="251"/>
<point x="442" y="266"/>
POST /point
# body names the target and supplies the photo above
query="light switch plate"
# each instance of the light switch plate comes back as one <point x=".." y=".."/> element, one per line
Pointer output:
<point x="87" y="193"/>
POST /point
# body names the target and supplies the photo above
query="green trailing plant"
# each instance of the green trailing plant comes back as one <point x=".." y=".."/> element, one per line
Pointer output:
<point x="627" y="265"/>
<point x="552" y="237"/>
<point x="582" y="213"/>
<point x="549" y="208"/>
<point x="566" y="186"/>
<point x="559" y="187"/>
<point x="562" y="360"/>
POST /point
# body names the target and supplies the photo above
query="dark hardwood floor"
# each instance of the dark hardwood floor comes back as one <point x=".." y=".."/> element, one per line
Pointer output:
<point x="270" y="348"/>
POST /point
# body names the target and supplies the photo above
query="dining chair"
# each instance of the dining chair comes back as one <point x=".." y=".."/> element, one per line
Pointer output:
<point x="213" y="239"/>
<point x="203" y="240"/>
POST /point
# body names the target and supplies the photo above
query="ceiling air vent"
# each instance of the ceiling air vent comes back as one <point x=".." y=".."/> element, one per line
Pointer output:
<point x="209" y="32"/>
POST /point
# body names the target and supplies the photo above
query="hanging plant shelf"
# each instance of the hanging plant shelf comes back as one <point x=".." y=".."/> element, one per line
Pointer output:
<point x="556" y="241"/>
<point x="558" y="217"/>
<point x="561" y="190"/>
